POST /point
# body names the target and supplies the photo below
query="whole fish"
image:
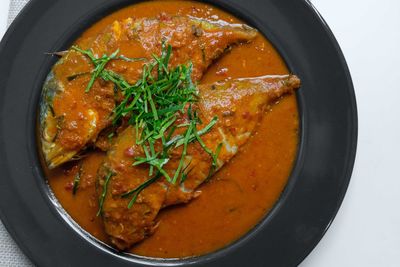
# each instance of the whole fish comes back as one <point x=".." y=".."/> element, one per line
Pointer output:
<point x="239" y="105"/>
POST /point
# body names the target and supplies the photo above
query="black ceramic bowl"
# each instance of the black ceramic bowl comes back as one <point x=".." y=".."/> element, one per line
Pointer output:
<point x="286" y="235"/>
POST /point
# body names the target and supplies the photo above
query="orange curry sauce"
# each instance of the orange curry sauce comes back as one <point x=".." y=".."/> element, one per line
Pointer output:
<point x="240" y="194"/>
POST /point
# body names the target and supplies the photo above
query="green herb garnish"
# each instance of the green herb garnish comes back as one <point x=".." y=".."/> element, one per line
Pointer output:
<point x="77" y="179"/>
<point x="135" y="192"/>
<point x="100" y="63"/>
<point x="104" y="192"/>
<point x="152" y="105"/>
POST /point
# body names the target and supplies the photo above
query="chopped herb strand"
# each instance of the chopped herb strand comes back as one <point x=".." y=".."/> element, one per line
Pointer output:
<point x="103" y="194"/>
<point x="135" y="192"/>
<point x="214" y="165"/>
<point x="77" y="179"/>
<point x="181" y="162"/>
<point x="100" y="63"/>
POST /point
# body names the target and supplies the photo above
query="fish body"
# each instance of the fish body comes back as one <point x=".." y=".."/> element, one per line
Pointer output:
<point x="239" y="105"/>
<point x="72" y="119"/>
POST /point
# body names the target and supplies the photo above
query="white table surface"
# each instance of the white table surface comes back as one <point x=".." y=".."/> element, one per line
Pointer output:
<point x="366" y="231"/>
<point x="4" y="5"/>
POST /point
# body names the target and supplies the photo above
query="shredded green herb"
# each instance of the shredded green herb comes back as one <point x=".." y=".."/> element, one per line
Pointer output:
<point x="152" y="105"/>
<point x="104" y="192"/>
<point x="135" y="192"/>
<point x="100" y="63"/>
<point x="77" y="179"/>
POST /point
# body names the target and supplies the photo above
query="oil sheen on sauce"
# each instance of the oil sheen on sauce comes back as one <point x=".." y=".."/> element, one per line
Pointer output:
<point x="240" y="194"/>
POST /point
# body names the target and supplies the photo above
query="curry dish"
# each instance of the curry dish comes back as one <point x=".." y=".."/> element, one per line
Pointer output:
<point x="169" y="128"/>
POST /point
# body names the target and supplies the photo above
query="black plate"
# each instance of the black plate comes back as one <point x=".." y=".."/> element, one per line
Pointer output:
<point x="291" y="230"/>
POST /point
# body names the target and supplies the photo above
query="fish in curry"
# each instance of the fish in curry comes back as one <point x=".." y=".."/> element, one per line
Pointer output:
<point x="65" y="134"/>
<point x="138" y="90"/>
<point x="239" y="104"/>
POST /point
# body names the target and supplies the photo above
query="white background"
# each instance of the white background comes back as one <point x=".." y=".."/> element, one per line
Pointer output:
<point x="366" y="231"/>
<point x="3" y="15"/>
